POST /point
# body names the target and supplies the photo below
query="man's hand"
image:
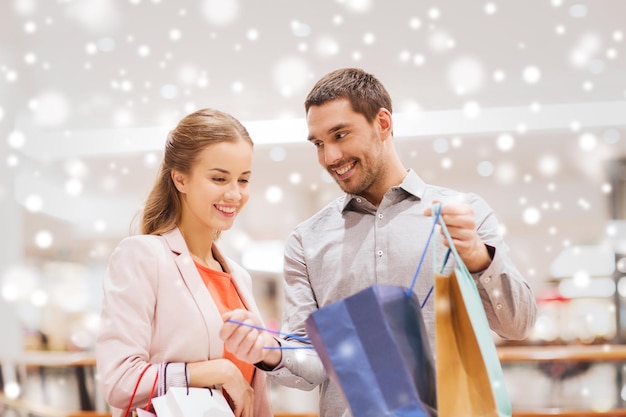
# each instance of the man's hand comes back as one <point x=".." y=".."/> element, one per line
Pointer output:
<point x="459" y="219"/>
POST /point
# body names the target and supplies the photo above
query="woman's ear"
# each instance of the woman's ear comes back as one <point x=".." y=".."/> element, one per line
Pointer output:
<point x="180" y="180"/>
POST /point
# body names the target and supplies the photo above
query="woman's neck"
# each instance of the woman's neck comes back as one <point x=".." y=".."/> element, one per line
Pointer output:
<point x="200" y="245"/>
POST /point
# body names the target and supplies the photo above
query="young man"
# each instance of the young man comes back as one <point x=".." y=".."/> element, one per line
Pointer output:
<point x="374" y="234"/>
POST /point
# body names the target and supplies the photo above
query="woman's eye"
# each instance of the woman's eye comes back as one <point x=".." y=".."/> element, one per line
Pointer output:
<point x="219" y="179"/>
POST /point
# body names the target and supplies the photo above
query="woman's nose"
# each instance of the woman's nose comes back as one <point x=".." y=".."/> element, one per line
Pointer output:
<point x="233" y="194"/>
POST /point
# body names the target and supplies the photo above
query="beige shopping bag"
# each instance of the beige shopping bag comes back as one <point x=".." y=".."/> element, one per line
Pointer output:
<point x="463" y="387"/>
<point x="470" y="381"/>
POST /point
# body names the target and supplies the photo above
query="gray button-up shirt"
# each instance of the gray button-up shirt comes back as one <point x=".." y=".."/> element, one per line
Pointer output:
<point x="350" y="245"/>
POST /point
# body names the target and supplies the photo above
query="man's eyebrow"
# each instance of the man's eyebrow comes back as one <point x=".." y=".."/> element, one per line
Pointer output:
<point x="333" y="129"/>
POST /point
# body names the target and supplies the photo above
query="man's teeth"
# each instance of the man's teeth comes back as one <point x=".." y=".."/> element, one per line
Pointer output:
<point x="343" y="170"/>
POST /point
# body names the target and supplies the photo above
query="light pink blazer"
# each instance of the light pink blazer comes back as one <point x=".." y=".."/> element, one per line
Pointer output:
<point x="156" y="309"/>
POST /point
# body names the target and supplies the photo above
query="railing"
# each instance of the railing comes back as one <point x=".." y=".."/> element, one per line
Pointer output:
<point x="83" y="367"/>
<point x="562" y="353"/>
<point x="566" y="353"/>
<point x="80" y="364"/>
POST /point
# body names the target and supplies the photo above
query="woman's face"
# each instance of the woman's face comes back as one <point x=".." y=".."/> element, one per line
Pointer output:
<point x="217" y="187"/>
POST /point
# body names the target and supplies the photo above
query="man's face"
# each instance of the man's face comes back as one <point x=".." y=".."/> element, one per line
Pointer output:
<point x="348" y="146"/>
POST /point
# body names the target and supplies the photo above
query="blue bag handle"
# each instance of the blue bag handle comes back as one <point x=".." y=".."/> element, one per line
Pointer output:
<point x="437" y="219"/>
<point x="451" y="247"/>
<point x="436" y="212"/>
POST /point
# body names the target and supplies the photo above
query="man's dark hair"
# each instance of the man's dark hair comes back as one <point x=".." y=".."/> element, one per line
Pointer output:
<point x="365" y="92"/>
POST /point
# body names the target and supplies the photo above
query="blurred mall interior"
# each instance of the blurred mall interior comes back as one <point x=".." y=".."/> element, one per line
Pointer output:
<point x="522" y="103"/>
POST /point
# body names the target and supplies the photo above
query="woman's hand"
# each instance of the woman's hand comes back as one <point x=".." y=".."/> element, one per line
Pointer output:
<point x="248" y="342"/>
<point x="225" y="373"/>
<point x="239" y="392"/>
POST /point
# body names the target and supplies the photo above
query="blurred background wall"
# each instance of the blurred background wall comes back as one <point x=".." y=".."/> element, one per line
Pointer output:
<point x="521" y="102"/>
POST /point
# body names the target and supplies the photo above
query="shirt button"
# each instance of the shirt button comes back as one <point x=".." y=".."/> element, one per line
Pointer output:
<point x="487" y="279"/>
<point x="379" y="253"/>
<point x="298" y="381"/>
<point x="498" y="306"/>
<point x="358" y="200"/>
<point x="380" y="215"/>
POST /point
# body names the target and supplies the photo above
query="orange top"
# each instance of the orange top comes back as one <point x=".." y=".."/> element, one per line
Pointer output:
<point x="226" y="297"/>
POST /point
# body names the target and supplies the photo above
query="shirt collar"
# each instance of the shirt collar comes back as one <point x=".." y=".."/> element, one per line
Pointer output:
<point x="412" y="184"/>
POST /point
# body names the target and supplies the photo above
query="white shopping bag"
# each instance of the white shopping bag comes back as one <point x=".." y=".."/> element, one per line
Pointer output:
<point x="140" y="412"/>
<point x="192" y="402"/>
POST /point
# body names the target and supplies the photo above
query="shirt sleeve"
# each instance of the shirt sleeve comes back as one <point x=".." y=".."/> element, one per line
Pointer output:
<point x="172" y="374"/>
<point x="300" y="366"/>
<point x="506" y="296"/>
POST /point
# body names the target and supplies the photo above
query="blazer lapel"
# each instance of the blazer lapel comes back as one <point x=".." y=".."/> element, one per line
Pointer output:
<point x="200" y="294"/>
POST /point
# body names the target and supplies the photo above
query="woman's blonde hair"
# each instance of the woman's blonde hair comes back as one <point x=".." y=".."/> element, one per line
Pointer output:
<point x="191" y="136"/>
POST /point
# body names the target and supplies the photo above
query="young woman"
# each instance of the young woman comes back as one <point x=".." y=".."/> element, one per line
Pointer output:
<point x="165" y="290"/>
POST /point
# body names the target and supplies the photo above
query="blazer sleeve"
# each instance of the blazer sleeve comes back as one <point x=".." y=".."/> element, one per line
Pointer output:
<point x="123" y="343"/>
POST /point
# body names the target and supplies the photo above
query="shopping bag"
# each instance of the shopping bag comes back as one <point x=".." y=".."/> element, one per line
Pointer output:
<point x="139" y="411"/>
<point x="192" y="402"/>
<point x="470" y="381"/>
<point x="374" y="346"/>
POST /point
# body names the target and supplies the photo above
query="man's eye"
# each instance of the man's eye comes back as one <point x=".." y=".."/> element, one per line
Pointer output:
<point x="340" y="135"/>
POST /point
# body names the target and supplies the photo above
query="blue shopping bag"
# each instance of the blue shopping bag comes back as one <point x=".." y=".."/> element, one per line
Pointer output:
<point x="375" y="347"/>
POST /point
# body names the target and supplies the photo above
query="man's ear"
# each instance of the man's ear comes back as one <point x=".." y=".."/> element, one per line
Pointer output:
<point x="180" y="180"/>
<point x="385" y="122"/>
